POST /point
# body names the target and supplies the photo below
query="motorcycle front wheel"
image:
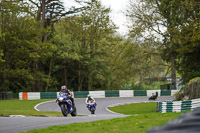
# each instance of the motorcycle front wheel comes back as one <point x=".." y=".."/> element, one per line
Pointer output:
<point x="92" y="111"/>
<point x="64" y="109"/>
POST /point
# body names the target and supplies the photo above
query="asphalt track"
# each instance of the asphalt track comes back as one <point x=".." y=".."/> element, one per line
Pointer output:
<point x="20" y="124"/>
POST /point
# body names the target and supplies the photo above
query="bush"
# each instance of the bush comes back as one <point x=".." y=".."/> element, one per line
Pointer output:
<point x="191" y="90"/>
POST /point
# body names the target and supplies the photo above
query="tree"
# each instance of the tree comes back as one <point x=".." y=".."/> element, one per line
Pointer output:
<point x="68" y="48"/>
<point x="180" y="39"/>
<point x="171" y="11"/>
<point x="49" y="12"/>
<point x="18" y="33"/>
<point x="186" y="36"/>
<point x="147" y="31"/>
<point x="83" y="35"/>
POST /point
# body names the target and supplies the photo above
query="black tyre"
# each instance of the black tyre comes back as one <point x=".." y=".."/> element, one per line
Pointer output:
<point x="64" y="109"/>
<point x="92" y="111"/>
<point x="74" y="112"/>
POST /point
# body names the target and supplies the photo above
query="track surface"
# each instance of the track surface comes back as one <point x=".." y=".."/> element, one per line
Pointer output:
<point x="20" y="124"/>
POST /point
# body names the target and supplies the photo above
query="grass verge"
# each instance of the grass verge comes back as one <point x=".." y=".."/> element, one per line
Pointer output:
<point x="131" y="124"/>
<point x="136" y="108"/>
<point x="145" y="119"/>
<point x="24" y="107"/>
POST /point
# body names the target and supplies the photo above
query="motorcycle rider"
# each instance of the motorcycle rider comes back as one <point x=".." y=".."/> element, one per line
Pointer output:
<point x="64" y="89"/>
<point x="89" y="98"/>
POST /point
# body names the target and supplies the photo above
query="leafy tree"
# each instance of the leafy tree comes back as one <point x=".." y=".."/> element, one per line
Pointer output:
<point x="186" y="35"/>
<point x="82" y="36"/>
<point x="17" y="39"/>
<point x="183" y="29"/>
<point x="68" y="48"/>
<point x="180" y="37"/>
<point x="146" y="31"/>
<point x="171" y="12"/>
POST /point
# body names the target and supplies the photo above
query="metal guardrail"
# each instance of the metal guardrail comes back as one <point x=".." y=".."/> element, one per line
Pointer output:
<point x="6" y="95"/>
<point x="186" y="123"/>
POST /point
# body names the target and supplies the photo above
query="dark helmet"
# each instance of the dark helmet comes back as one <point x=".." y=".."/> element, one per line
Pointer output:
<point x="64" y="88"/>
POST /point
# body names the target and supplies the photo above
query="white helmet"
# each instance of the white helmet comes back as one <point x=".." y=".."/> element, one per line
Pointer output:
<point x="63" y="88"/>
<point x="88" y="96"/>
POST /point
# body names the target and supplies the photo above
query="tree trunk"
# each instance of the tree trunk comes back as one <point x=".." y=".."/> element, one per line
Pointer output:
<point x="173" y="74"/>
<point x="43" y="14"/>
<point x="37" y="85"/>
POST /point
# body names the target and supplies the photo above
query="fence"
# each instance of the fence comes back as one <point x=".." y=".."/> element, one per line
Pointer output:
<point x="178" y="106"/>
<point x="96" y="94"/>
<point x="6" y="95"/>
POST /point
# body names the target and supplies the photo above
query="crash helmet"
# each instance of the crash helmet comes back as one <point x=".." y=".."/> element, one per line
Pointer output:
<point x="89" y="97"/>
<point x="63" y="88"/>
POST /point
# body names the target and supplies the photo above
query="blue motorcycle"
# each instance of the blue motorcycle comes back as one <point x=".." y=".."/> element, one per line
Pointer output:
<point x="66" y="105"/>
<point x="92" y="106"/>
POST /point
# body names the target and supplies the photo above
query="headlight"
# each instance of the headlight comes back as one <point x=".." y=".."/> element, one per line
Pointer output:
<point x="61" y="99"/>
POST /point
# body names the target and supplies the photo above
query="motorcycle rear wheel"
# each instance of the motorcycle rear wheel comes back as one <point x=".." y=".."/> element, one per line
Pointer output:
<point x="74" y="112"/>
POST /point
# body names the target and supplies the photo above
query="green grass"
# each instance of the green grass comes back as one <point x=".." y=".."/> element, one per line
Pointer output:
<point x="23" y="107"/>
<point x="131" y="124"/>
<point x="146" y="118"/>
<point x="137" y="108"/>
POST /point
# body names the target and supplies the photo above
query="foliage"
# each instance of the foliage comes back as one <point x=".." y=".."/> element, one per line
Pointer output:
<point x="43" y="45"/>
<point x="81" y="48"/>
<point x="190" y="90"/>
<point x="174" y="27"/>
<point x="17" y="44"/>
<point x="183" y="17"/>
<point x="146" y="31"/>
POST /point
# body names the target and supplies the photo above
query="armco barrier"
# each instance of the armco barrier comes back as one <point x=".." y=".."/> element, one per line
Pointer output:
<point x="178" y="106"/>
<point x="165" y="92"/>
<point x="126" y="93"/>
<point x="112" y="93"/>
<point x="140" y="93"/>
<point x="34" y="95"/>
<point x="95" y="94"/>
<point x="80" y="94"/>
<point x="48" y="95"/>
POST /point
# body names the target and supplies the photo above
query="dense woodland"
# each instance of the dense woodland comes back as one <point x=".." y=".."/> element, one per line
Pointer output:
<point x="43" y="45"/>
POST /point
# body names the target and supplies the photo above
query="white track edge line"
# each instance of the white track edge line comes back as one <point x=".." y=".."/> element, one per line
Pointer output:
<point x="35" y="107"/>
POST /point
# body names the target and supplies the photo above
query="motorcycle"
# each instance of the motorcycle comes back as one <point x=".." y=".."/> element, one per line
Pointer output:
<point x="154" y="97"/>
<point x="92" y="106"/>
<point x="66" y="105"/>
